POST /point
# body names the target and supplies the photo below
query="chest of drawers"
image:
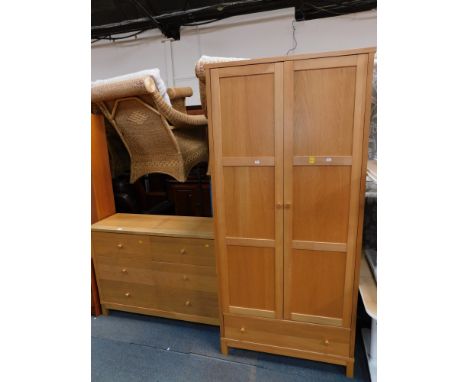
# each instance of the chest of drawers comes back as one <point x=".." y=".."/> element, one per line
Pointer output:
<point x="157" y="265"/>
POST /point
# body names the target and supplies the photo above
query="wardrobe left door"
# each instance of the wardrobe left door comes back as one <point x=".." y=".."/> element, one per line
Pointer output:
<point x="246" y="125"/>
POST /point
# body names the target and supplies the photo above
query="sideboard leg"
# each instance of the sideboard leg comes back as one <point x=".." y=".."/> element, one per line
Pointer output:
<point x="224" y="348"/>
<point x="350" y="369"/>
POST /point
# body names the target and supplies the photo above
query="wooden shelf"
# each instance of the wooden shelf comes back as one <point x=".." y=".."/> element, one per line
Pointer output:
<point x="161" y="225"/>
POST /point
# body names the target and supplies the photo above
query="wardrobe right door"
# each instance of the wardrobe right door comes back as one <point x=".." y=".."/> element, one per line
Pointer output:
<point x="324" y="105"/>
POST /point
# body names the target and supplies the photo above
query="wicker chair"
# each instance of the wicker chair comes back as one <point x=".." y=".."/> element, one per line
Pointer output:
<point x="159" y="137"/>
<point x="200" y="73"/>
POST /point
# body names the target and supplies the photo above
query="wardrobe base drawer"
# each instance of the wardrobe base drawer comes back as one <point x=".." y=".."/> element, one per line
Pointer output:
<point x="288" y="334"/>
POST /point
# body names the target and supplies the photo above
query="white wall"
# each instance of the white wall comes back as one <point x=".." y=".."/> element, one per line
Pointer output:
<point x="253" y="36"/>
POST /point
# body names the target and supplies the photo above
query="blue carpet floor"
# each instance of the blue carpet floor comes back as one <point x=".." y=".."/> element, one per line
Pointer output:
<point x="134" y="348"/>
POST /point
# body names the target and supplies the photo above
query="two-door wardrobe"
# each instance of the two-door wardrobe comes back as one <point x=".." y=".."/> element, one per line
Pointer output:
<point x="288" y="146"/>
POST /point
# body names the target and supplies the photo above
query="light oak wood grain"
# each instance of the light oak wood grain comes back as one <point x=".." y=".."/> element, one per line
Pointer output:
<point x="153" y="265"/>
<point x="162" y="297"/>
<point x="251" y="275"/>
<point x="317" y="283"/>
<point x="370" y="70"/>
<point x="249" y="201"/>
<point x="316" y="319"/>
<point x="311" y="355"/>
<point x="159" y="225"/>
<point x="248" y="161"/>
<point x="182" y="250"/>
<point x="356" y="177"/>
<point x="219" y="241"/>
<point x="250" y="242"/>
<point x="303" y="196"/>
<point x="319" y="245"/>
<point x="247" y="120"/>
<point x="246" y="143"/>
<point x="162" y="313"/>
<point x="321" y="203"/>
<point x="287" y="334"/>
<point x="312" y="160"/>
<point x="120" y="244"/>
<point x="279" y="197"/>
<point x="286" y="59"/>
<point x="323" y="111"/>
<point x="252" y="312"/>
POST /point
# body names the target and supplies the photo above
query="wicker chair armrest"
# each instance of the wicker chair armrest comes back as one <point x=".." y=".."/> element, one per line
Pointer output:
<point x="176" y="93"/>
<point x="125" y="88"/>
<point x="175" y="117"/>
<point x="190" y="120"/>
<point x="177" y="96"/>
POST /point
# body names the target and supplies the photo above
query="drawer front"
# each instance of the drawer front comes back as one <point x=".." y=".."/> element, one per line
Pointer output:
<point x="182" y="250"/>
<point x="188" y="277"/>
<point x="125" y="293"/>
<point x="120" y="245"/>
<point x="171" y="299"/>
<point x="185" y="301"/>
<point x="288" y="334"/>
<point x="147" y="272"/>
<point x="125" y="271"/>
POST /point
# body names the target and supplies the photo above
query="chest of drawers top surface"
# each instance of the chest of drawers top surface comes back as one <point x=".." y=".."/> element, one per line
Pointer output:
<point x="158" y="225"/>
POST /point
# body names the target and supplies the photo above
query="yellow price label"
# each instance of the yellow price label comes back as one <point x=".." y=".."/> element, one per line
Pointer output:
<point x="311" y="160"/>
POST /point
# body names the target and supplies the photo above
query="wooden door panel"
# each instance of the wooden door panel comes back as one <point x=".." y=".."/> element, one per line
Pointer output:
<point x="249" y="197"/>
<point x="324" y="98"/>
<point x="247" y="144"/>
<point x="251" y="275"/>
<point x="317" y="282"/>
<point x="323" y="135"/>
<point x="247" y="115"/>
<point x="321" y="203"/>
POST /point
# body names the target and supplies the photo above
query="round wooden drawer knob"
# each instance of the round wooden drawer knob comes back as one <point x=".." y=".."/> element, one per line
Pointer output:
<point x="185" y="277"/>
<point x="120" y="245"/>
<point x="326" y="342"/>
<point x="127" y="294"/>
<point x="188" y="303"/>
<point x="183" y="251"/>
<point x="207" y="246"/>
<point x="124" y="270"/>
<point x="242" y="329"/>
<point x="279" y="205"/>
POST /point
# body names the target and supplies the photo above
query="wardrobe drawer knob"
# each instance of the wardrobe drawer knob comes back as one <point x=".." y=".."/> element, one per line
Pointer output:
<point x="207" y="246"/>
<point x="242" y="329"/>
<point x="188" y="303"/>
<point x="127" y="294"/>
<point x="120" y="245"/>
<point x="185" y="277"/>
<point x="183" y="251"/>
<point x="326" y="342"/>
<point x="124" y="270"/>
<point x="279" y="205"/>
